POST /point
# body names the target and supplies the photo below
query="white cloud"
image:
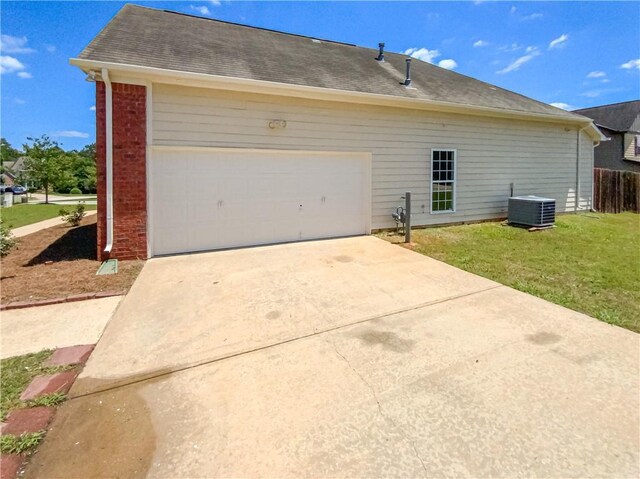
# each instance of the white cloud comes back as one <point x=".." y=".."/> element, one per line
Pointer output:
<point x="631" y="65"/>
<point x="50" y="48"/>
<point x="215" y="3"/>
<point x="596" y="74"/>
<point x="70" y="134"/>
<point x="561" y="105"/>
<point x="510" y="48"/>
<point x="600" y="92"/>
<point x="558" y="42"/>
<point x="25" y="75"/>
<point x="92" y="108"/>
<point x="480" y="43"/>
<point x="449" y="64"/>
<point x="19" y="101"/>
<point x="9" y="44"/>
<point x="423" y="54"/>
<point x="533" y="16"/>
<point x="9" y="64"/>
<point x="532" y="52"/>
<point x="202" y="9"/>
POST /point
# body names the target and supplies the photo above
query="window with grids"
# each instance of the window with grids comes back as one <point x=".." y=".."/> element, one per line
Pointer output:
<point x="443" y="181"/>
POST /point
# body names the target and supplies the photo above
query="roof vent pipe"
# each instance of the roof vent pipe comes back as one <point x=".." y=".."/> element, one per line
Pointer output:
<point x="380" y="56"/>
<point x="407" y="81"/>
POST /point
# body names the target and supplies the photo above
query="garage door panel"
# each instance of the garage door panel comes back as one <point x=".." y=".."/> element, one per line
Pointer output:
<point x="233" y="198"/>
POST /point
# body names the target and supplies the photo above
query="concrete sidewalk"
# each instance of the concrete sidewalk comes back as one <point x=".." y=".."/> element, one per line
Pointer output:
<point x="41" y="225"/>
<point x="55" y="199"/>
<point x="30" y="330"/>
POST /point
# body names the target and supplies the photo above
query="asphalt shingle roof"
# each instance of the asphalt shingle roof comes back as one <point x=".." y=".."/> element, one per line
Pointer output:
<point x="618" y="116"/>
<point x="161" y="39"/>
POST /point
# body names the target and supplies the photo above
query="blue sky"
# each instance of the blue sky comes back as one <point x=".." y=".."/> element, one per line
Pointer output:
<point x="573" y="54"/>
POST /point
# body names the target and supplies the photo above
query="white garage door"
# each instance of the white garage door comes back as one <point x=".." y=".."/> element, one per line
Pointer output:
<point x="209" y="198"/>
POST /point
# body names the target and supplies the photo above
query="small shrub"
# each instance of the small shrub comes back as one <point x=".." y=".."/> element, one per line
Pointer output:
<point x="75" y="191"/>
<point x="73" y="217"/>
<point x="7" y="240"/>
<point x="10" y="444"/>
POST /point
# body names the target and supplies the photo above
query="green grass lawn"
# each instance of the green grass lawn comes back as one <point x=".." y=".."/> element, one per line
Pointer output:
<point x="589" y="263"/>
<point x="26" y="214"/>
<point x="17" y="373"/>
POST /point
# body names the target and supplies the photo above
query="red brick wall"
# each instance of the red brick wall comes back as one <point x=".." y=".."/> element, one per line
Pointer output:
<point x="129" y="171"/>
<point x="101" y="155"/>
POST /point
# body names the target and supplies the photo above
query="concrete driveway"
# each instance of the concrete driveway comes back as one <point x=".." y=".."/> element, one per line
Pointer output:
<point x="345" y="358"/>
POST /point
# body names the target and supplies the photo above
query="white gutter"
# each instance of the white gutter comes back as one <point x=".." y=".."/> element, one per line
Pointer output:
<point x="162" y="75"/>
<point x="109" y="148"/>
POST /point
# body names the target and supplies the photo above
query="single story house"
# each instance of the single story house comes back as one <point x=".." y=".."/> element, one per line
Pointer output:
<point x="216" y="135"/>
<point x="620" y="123"/>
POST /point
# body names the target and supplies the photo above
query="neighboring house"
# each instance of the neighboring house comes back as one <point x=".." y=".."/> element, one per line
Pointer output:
<point x="13" y="170"/>
<point x="620" y="123"/>
<point x="214" y="135"/>
<point x="7" y="178"/>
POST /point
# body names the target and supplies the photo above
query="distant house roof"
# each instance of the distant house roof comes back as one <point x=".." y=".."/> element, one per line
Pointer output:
<point x="173" y="41"/>
<point x="17" y="165"/>
<point x="621" y="117"/>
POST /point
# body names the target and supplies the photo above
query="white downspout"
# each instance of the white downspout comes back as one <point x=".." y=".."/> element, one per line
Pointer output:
<point x="109" y="148"/>
<point x="577" y="199"/>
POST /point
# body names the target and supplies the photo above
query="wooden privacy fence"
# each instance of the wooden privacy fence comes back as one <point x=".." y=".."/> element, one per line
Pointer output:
<point x="616" y="191"/>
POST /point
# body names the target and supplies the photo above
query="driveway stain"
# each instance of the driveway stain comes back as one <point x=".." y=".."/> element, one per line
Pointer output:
<point x="343" y="259"/>
<point x="575" y="358"/>
<point x="273" y="314"/>
<point x="107" y="434"/>
<point x="542" y="338"/>
<point x="387" y="339"/>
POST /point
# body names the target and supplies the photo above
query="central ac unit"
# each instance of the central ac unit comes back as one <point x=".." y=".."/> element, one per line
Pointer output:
<point x="532" y="211"/>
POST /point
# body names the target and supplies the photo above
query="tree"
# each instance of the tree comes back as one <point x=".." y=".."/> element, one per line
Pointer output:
<point x="46" y="164"/>
<point x="89" y="152"/>
<point x="7" y="152"/>
<point x="81" y="172"/>
<point x="84" y="168"/>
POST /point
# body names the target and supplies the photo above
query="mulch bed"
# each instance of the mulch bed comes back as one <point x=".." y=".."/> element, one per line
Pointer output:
<point x="58" y="262"/>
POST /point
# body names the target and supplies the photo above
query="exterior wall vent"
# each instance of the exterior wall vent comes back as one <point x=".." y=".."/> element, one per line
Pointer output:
<point x="532" y="211"/>
<point x="407" y="80"/>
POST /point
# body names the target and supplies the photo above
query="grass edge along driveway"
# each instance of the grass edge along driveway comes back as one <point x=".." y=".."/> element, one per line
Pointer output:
<point x="26" y="214"/>
<point x="589" y="262"/>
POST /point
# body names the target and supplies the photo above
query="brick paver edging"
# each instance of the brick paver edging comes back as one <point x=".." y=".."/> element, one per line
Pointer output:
<point x="36" y="419"/>
<point x="67" y="299"/>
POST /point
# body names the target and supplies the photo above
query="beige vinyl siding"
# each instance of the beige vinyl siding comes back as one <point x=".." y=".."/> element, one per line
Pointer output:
<point x="491" y="153"/>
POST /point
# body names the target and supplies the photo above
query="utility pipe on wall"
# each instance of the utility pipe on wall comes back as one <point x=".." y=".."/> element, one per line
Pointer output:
<point x="109" y="151"/>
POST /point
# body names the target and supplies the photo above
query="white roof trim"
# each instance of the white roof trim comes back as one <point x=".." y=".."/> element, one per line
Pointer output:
<point x="137" y="73"/>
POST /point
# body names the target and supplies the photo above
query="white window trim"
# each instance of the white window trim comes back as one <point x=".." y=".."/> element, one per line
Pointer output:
<point x="455" y="181"/>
